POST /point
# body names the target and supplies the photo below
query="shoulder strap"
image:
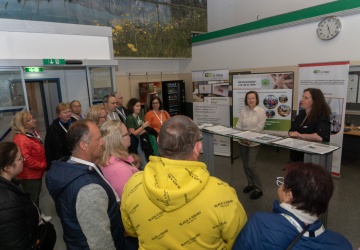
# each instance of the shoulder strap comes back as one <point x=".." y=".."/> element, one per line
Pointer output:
<point x="297" y="238"/>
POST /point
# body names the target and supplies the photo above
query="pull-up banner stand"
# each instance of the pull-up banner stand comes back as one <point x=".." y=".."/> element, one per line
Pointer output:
<point x="211" y="103"/>
<point x="332" y="79"/>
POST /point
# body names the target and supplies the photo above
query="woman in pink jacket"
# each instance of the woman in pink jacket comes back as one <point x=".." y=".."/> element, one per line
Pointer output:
<point x="31" y="146"/>
<point x="116" y="162"/>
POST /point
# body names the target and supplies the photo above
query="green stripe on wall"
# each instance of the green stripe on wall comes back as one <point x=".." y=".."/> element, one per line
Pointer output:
<point x="298" y="15"/>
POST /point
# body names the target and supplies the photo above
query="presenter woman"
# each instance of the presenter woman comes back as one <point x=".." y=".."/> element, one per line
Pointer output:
<point x="252" y="118"/>
<point x="156" y="116"/>
<point x="312" y="122"/>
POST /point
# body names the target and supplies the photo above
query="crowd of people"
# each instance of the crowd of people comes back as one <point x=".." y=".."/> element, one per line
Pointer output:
<point x="120" y="180"/>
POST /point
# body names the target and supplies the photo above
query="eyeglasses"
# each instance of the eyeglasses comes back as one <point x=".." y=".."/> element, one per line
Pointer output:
<point x="127" y="134"/>
<point x="200" y="138"/>
<point x="279" y="181"/>
<point x="76" y="106"/>
<point x="103" y="117"/>
<point x="155" y="102"/>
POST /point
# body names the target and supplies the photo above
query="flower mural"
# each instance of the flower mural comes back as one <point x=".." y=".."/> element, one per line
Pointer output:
<point x="140" y="28"/>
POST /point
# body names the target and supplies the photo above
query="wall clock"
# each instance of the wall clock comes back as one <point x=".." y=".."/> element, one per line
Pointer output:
<point x="328" y="28"/>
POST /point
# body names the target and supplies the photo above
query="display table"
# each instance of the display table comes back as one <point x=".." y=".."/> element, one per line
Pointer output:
<point x="314" y="152"/>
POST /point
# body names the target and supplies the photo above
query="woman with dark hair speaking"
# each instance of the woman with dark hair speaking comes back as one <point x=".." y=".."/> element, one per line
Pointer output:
<point x="304" y="193"/>
<point x="253" y="118"/>
<point x="312" y="122"/>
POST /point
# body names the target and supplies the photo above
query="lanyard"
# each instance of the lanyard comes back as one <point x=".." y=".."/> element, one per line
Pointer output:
<point x="160" y="118"/>
<point x="299" y="228"/>
<point x="113" y="116"/>
<point x="138" y="120"/>
<point x="97" y="170"/>
<point x="63" y="127"/>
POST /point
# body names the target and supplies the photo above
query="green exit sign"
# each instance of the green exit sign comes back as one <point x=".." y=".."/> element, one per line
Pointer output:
<point x="33" y="69"/>
<point x="53" y="61"/>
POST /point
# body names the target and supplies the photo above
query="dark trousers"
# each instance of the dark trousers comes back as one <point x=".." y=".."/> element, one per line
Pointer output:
<point x="33" y="187"/>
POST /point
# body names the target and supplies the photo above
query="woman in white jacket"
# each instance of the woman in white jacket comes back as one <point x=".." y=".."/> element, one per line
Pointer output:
<point x="251" y="117"/>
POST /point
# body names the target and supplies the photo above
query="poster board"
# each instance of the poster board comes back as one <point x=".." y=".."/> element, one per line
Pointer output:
<point x="211" y="103"/>
<point x="275" y="92"/>
<point x="332" y="79"/>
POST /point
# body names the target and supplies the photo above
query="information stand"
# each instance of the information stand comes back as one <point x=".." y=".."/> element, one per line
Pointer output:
<point x="314" y="152"/>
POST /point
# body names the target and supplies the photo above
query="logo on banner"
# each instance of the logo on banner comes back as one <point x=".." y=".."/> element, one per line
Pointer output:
<point x="265" y="82"/>
<point x="321" y="72"/>
<point x="212" y="75"/>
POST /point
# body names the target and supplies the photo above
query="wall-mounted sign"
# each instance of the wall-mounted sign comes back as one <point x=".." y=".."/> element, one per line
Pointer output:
<point x="53" y="61"/>
<point x="33" y="69"/>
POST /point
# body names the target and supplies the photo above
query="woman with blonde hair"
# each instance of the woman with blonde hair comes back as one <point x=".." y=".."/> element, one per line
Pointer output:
<point x="29" y="142"/>
<point x="98" y="114"/>
<point x="116" y="162"/>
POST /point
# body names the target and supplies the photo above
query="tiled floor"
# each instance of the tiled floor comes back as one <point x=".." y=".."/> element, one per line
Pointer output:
<point x="343" y="215"/>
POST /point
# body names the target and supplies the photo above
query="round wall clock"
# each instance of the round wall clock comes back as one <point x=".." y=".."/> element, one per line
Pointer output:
<point x="328" y="28"/>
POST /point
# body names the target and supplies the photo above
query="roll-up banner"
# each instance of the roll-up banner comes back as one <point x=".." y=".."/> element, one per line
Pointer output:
<point x="211" y="103"/>
<point x="332" y="79"/>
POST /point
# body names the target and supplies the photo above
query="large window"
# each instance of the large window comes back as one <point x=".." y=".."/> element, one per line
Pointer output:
<point x="12" y="98"/>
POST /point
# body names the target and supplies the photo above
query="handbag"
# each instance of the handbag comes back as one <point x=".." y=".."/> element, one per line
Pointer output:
<point x="45" y="237"/>
<point x="134" y="143"/>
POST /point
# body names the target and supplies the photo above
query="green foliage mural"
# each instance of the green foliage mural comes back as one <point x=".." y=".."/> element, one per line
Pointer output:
<point x="143" y="28"/>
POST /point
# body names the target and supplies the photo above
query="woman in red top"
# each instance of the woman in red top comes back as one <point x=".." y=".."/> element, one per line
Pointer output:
<point x="31" y="146"/>
<point x="156" y="116"/>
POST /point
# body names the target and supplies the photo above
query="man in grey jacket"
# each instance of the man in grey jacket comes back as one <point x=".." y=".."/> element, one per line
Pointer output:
<point x="86" y="204"/>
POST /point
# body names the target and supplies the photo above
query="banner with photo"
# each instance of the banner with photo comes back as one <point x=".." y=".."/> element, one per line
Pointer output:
<point x="332" y="79"/>
<point x="275" y="92"/>
<point x="211" y="103"/>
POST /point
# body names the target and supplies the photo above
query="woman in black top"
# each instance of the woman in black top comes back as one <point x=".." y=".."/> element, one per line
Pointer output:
<point x="20" y="220"/>
<point x="313" y="122"/>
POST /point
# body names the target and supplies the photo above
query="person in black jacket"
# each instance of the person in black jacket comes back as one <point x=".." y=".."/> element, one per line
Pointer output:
<point x="120" y="109"/>
<point x="19" y="217"/>
<point x="55" y="139"/>
<point x="312" y="122"/>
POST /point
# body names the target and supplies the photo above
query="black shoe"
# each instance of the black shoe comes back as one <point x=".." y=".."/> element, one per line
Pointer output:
<point x="248" y="189"/>
<point x="256" y="195"/>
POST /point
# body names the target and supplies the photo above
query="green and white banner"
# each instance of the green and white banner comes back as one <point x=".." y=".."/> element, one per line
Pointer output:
<point x="332" y="79"/>
<point x="275" y="96"/>
<point x="211" y="103"/>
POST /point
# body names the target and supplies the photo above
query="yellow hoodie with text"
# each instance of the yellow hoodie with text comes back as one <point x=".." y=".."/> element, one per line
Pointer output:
<point x="175" y="204"/>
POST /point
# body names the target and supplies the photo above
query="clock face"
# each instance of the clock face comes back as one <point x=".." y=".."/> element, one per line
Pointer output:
<point x="328" y="28"/>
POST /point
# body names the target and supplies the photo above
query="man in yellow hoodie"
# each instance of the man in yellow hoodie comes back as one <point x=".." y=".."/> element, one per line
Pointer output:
<point x="175" y="203"/>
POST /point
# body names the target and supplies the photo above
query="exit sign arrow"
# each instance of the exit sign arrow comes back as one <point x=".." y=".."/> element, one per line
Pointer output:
<point x="53" y="61"/>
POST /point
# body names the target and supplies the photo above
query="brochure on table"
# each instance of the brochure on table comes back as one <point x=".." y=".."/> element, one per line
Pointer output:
<point x="275" y="92"/>
<point x="310" y="147"/>
<point x="211" y="103"/>
<point x="295" y="144"/>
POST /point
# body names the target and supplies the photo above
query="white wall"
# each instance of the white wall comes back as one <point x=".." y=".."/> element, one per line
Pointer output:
<point x="289" y="46"/>
<point x="229" y="13"/>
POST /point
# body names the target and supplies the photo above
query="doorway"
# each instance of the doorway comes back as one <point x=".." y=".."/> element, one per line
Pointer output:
<point x="43" y="96"/>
